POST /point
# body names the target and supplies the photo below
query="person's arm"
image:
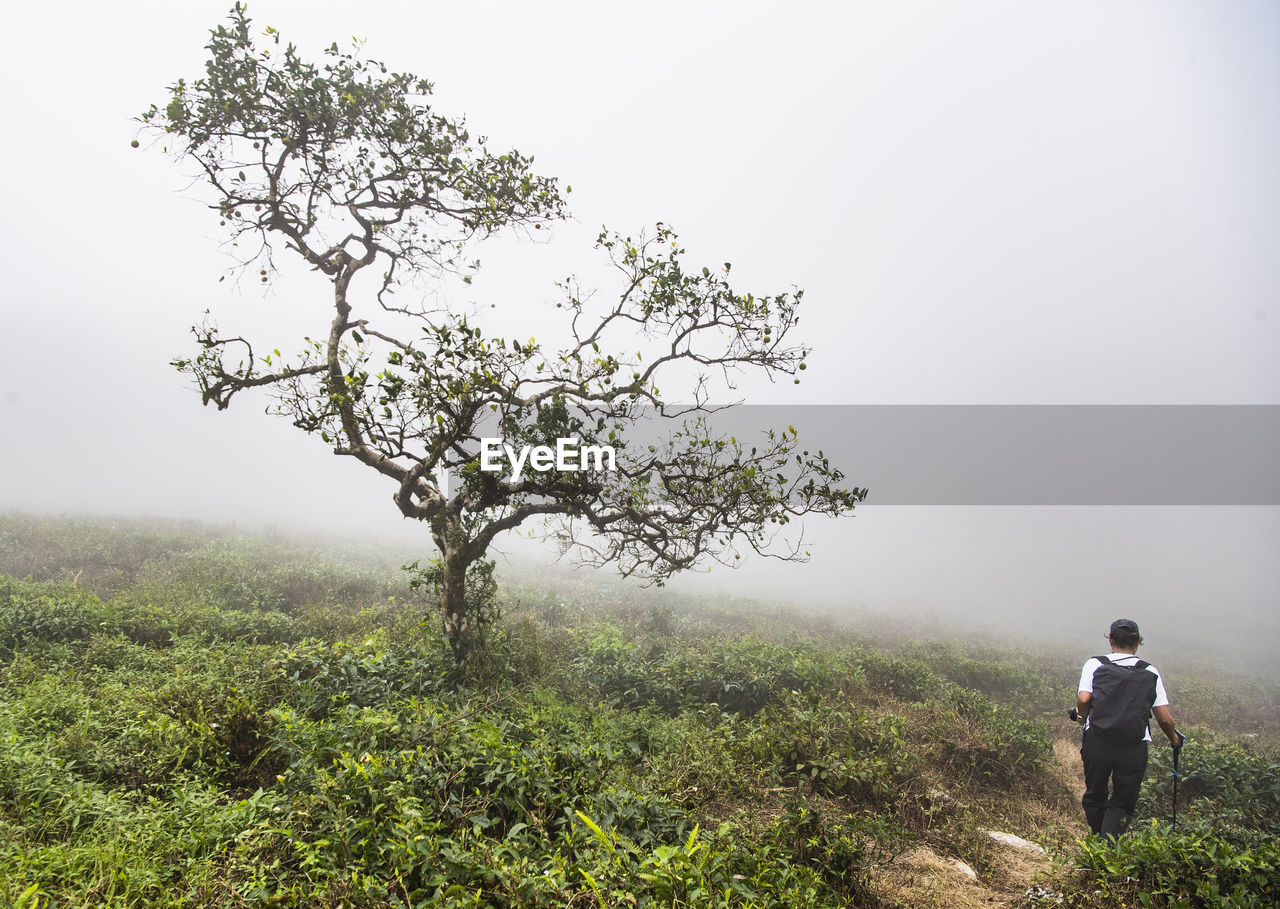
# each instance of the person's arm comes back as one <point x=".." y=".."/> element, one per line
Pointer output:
<point x="1084" y="702"/>
<point x="1165" y="719"/>
<point x="1084" y="691"/>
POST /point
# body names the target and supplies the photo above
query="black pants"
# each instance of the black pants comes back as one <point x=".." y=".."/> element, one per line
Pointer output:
<point x="1123" y="765"/>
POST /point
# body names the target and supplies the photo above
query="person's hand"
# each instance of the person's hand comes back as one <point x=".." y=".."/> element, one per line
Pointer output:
<point x="1182" y="740"/>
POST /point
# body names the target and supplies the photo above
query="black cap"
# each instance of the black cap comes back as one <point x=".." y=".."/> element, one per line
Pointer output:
<point x="1124" y="626"/>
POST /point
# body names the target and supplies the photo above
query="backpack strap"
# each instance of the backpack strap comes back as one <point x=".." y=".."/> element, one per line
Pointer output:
<point x="1107" y="661"/>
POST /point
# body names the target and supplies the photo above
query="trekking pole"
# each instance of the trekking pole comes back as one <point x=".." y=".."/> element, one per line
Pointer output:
<point x="1177" y="750"/>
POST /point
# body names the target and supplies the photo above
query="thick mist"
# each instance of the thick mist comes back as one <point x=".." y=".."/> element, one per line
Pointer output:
<point x="1004" y="205"/>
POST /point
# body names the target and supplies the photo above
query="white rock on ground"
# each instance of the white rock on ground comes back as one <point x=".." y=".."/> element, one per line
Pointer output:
<point x="1017" y="842"/>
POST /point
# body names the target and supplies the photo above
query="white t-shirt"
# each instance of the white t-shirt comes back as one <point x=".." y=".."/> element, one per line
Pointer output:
<point x="1124" y="659"/>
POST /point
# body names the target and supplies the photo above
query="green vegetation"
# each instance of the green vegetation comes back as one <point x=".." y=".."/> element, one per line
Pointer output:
<point x="222" y="721"/>
<point x="1224" y="852"/>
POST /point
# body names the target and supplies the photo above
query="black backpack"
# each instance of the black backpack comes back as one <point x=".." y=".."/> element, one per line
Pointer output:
<point x="1122" y="699"/>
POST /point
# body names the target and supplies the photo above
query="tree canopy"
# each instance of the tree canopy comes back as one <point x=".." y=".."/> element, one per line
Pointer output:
<point x="346" y="164"/>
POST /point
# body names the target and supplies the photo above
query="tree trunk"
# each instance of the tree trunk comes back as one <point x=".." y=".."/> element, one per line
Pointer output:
<point x="454" y="561"/>
<point x="453" y="607"/>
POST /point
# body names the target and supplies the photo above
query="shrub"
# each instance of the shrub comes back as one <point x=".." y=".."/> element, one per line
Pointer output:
<point x="904" y="678"/>
<point x="322" y="676"/>
<point x="981" y="738"/>
<point x="31" y="613"/>
<point x="1153" y="866"/>
<point x="1229" y="789"/>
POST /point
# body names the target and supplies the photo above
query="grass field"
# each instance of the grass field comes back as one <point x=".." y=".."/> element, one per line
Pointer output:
<point x="191" y="717"/>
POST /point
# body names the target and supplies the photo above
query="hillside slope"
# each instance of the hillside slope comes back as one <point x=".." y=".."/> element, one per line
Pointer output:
<point x="231" y="721"/>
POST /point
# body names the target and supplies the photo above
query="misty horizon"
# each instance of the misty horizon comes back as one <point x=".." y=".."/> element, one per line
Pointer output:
<point x="986" y="207"/>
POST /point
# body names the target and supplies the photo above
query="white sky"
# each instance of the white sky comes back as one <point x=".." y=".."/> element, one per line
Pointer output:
<point x="985" y="203"/>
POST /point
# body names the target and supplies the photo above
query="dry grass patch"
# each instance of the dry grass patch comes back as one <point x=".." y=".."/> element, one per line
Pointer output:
<point x="923" y="879"/>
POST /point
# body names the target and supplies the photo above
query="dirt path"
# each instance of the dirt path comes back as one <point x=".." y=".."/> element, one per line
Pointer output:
<point x="923" y="879"/>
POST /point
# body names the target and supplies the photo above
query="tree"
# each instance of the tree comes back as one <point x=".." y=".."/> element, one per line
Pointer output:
<point x="346" y="165"/>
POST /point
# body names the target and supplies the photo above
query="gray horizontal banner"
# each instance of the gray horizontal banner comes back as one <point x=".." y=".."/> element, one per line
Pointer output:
<point x="1038" y="454"/>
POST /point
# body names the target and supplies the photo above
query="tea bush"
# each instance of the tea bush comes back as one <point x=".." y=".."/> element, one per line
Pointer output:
<point x="1013" y="680"/>
<point x="902" y="677"/>
<point x="863" y="758"/>
<point x="1153" y="866"/>
<point x="1227" y="789"/>
<point x="991" y="741"/>
<point x="226" y="723"/>
<point x="31" y="613"/>
<point x="323" y="675"/>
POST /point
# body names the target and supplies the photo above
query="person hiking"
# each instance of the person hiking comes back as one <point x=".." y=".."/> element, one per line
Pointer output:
<point x="1117" y="695"/>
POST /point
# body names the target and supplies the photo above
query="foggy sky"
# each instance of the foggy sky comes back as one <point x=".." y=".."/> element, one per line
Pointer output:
<point x="993" y="203"/>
